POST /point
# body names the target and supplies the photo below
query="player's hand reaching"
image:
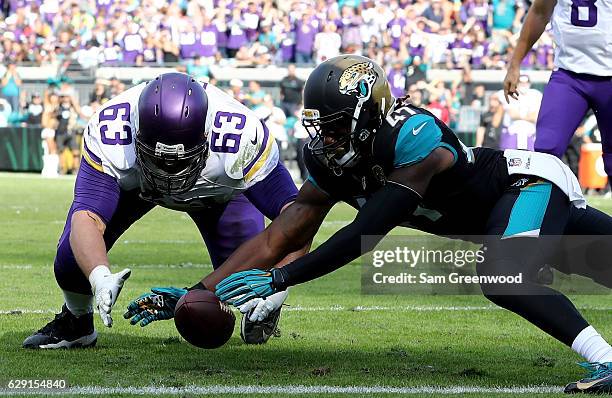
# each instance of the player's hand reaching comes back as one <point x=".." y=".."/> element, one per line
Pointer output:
<point x="106" y="288"/>
<point x="155" y="306"/>
<point x="263" y="307"/>
<point x="241" y="287"/>
<point x="511" y="82"/>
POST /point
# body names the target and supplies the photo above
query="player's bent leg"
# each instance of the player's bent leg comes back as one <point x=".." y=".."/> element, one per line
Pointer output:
<point x="550" y="311"/>
<point x="607" y="159"/>
<point x="223" y="230"/>
<point x="589" y="232"/>
<point x="600" y="95"/>
<point x="73" y="327"/>
<point x="223" y="234"/>
<point x="555" y="125"/>
<point x="544" y="307"/>
<point x="549" y="214"/>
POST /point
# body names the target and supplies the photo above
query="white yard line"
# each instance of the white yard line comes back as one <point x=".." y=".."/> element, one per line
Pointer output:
<point x="135" y="266"/>
<point x="336" y="308"/>
<point x="288" y="390"/>
<point x="377" y="308"/>
<point x="34" y="176"/>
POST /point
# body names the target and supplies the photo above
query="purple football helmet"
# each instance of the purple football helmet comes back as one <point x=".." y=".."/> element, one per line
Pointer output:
<point x="171" y="142"/>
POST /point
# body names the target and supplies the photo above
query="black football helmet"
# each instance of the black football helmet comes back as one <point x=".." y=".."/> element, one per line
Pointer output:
<point x="345" y="101"/>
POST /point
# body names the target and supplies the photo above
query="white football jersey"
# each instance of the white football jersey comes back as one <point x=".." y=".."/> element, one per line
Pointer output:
<point x="242" y="150"/>
<point x="582" y="30"/>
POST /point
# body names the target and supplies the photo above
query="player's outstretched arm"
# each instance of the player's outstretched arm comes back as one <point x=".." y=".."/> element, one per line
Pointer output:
<point x="537" y="18"/>
<point x="291" y="231"/>
<point x="389" y="206"/>
<point x="96" y="196"/>
<point x="87" y="243"/>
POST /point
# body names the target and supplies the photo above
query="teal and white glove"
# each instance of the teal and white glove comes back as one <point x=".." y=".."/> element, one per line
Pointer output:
<point x="243" y="286"/>
<point x="155" y="306"/>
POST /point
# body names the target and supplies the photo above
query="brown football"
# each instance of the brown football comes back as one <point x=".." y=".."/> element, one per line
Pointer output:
<point x="203" y="320"/>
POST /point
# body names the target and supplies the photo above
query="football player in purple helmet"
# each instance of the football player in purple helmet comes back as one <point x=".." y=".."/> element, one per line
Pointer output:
<point x="178" y="143"/>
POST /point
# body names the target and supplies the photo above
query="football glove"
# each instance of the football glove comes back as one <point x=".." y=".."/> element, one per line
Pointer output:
<point x="241" y="287"/>
<point x="106" y="288"/>
<point x="155" y="306"/>
<point x="262" y="308"/>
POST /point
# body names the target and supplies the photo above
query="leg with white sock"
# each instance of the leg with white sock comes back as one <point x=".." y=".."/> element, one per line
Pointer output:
<point x="74" y="325"/>
<point x="591" y="346"/>
<point x="78" y="304"/>
<point x="543" y="209"/>
<point x="590" y="221"/>
<point x="588" y="342"/>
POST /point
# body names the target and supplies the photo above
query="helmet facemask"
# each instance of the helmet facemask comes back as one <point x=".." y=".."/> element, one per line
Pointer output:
<point x="169" y="169"/>
<point x="336" y="139"/>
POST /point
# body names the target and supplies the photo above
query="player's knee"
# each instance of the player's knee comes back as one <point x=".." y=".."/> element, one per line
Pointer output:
<point x="500" y="279"/>
<point x="607" y="159"/>
<point x="67" y="272"/>
<point x="551" y="147"/>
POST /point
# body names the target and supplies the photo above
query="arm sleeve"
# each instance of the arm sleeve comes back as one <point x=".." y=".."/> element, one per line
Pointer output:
<point x="272" y="193"/>
<point x="95" y="191"/>
<point x="390" y="205"/>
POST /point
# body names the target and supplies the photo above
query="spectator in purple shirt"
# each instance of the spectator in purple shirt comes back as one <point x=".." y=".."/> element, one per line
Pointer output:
<point x="237" y="33"/>
<point x="188" y="41"/>
<point x="287" y="41"/>
<point x="305" y="31"/>
<point x="395" y="28"/>
<point x="476" y="12"/>
<point x="208" y="38"/>
<point x="461" y="51"/>
<point x="220" y="22"/>
<point x="133" y="44"/>
<point x="544" y="54"/>
<point x="150" y="52"/>
<point x="349" y="27"/>
<point x="397" y="79"/>
<point x="251" y="17"/>
<point x="480" y="50"/>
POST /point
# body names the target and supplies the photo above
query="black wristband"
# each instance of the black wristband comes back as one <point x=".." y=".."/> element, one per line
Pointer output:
<point x="280" y="279"/>
<point x="197" y="286"/>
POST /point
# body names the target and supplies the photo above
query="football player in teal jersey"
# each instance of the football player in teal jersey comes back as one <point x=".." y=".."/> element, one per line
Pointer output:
<point x="400" y="165"/>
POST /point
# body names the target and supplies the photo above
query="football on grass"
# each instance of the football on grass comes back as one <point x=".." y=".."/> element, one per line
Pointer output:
<point x="203" y="320"/>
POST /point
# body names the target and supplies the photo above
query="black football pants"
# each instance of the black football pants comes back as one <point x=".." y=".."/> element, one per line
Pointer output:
<point x="525" y="231"/>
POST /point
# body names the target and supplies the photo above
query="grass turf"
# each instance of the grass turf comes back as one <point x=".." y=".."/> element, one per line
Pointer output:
<point x="427" y="346"/>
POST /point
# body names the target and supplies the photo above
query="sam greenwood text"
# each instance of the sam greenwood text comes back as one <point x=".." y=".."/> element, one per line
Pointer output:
<point x="453" y="278"/>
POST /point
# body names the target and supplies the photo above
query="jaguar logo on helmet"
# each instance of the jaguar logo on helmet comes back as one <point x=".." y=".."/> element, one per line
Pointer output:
<point x="359" y="79"/>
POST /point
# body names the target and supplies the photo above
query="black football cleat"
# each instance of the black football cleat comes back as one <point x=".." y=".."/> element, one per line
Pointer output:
<point x="599" y="380"/>
<point x="65" y="331"/>
<point x="259" y="332"/>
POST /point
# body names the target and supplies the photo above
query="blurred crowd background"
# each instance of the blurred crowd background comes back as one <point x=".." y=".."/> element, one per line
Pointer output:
<point x="438" y="33"/>
<point x="407" y="37"/>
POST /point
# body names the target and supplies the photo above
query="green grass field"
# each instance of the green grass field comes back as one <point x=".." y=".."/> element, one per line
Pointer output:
<point x="331" y="335"/>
